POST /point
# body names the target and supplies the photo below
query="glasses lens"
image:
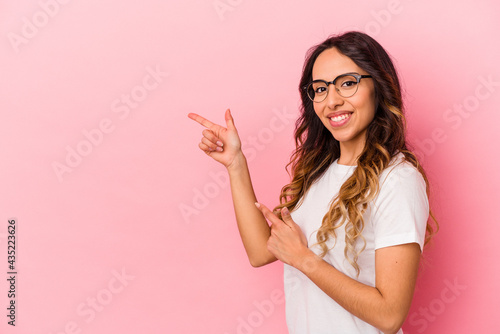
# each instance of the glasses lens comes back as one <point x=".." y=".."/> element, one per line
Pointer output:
<point x="346" y="85"/>
<point x="317" y="91"/>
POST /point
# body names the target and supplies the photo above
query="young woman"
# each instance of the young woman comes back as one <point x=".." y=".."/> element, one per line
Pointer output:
<point x="352" y="223"/>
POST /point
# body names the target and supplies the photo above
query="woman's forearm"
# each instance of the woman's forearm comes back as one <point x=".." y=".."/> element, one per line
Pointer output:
<point x="252" y="225"/>
<point x="384" y="307"/>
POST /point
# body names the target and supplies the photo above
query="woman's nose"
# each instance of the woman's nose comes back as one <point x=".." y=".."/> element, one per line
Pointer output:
<point x="333" y="98"/>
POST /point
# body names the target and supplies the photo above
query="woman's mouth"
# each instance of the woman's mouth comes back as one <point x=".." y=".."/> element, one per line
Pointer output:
<point x="340" y="119"/>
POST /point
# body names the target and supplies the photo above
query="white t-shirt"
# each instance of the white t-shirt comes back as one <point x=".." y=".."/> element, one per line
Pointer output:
<point x="397" y="216"/>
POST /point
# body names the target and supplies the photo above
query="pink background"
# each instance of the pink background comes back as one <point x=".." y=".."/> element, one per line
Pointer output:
<point x="138" y="234"/>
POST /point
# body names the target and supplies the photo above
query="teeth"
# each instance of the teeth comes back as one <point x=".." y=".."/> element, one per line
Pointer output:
<point x="339" y="118"/>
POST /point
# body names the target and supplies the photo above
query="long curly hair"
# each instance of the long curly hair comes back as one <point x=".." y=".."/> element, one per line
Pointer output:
<point x="316" y="148"/>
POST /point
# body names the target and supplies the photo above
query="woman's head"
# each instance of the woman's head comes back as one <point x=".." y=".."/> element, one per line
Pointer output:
<point x="360" y="52"/>
<point x="344" y="99"/>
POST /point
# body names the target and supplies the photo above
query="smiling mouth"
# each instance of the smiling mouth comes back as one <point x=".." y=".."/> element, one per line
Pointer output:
<point x="340" y="118"/>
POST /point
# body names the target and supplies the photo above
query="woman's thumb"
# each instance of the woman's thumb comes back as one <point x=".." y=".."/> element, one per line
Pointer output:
<point x="286" y="217"/>
<point x="229" y="120"/>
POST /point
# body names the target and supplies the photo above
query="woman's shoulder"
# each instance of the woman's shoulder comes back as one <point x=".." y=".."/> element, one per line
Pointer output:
<point x="401" y="171"/>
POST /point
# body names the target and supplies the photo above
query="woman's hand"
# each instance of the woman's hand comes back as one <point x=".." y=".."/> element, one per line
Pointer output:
<point x="222" y="144"/>
<point x="287" y="241"/>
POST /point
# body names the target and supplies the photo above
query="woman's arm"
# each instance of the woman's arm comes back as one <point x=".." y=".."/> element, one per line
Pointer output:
<point x="384" y="306"/>
<point x="224" y="146"/>
<point x="253" y="227"/>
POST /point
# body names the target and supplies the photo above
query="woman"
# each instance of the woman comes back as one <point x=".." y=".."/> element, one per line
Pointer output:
<point x="352" y="223"/>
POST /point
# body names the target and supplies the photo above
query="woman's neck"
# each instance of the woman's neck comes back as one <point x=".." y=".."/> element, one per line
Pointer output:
<point x="351" y="161"/>
<point x="350" y="152"/>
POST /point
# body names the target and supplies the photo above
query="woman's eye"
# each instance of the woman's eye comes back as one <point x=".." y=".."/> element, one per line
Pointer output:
<point x="320" y="90"/>
<point x="349" y="83"/>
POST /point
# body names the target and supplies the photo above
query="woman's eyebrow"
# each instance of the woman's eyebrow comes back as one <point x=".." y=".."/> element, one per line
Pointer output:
<point x="339" y="74"/>
<point x="330" y="77"/>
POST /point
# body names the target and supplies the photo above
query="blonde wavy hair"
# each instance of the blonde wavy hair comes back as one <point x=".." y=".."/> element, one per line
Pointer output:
<point x="316" y="148"/>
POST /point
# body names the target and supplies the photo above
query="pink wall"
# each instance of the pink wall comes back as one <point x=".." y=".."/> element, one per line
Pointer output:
<point x="124" y="226"/>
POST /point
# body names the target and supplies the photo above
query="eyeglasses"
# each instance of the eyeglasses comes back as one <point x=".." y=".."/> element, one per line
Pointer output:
<point x="345" y="84"/>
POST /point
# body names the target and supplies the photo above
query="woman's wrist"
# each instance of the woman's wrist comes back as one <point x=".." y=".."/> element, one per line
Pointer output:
<point x="308" y="262"/>
<point x="239" y="162"/>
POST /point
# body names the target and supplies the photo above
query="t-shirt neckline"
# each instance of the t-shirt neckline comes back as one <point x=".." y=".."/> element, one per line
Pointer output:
<point x="345" y="167"/>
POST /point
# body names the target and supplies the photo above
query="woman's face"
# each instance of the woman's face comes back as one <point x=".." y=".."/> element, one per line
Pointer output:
<point x="346" y="118"/>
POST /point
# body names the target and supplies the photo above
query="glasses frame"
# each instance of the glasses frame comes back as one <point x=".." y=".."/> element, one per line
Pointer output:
<point x="327" y="83"/>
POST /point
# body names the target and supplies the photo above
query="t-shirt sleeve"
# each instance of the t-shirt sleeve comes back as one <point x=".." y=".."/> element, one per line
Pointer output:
<point x="401" y="209"/>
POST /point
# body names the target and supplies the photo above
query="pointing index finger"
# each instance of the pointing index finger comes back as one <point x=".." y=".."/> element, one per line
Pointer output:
<point x="268" y="214"/>
<point x="202" y="120"/>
